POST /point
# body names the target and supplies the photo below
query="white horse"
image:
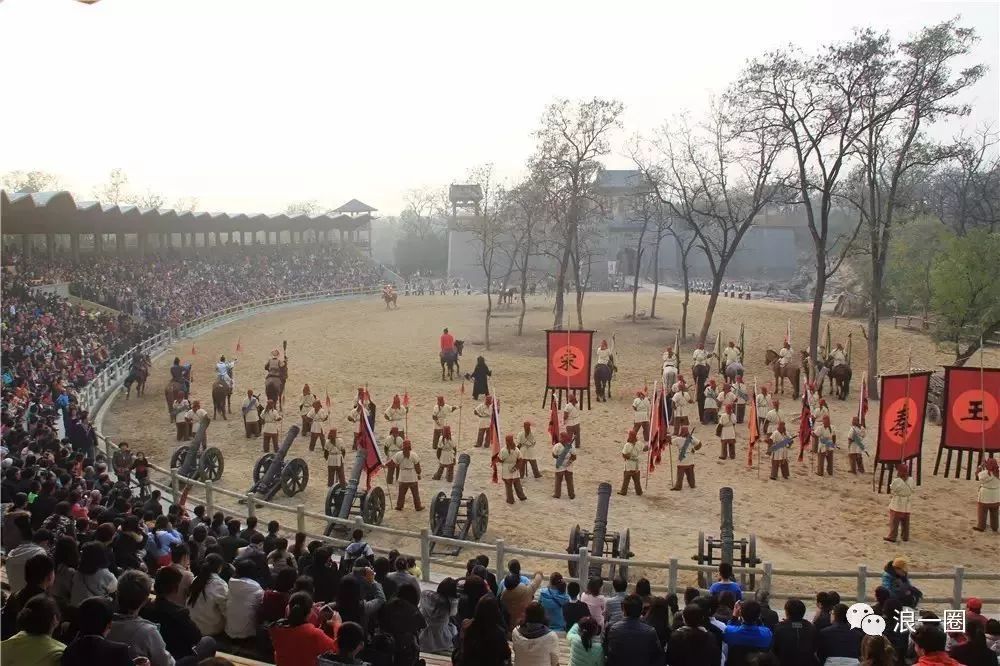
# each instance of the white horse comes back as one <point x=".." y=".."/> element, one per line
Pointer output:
<point x="669" y="375"/>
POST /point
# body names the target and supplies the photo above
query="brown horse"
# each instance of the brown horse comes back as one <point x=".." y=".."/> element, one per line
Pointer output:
<point x="840" y="379"/>
<point x="222" y="396"/>
<point x="138" y="376"/>
<point x="170" y="392"/>
<point x="390" y="298"/>
<point x="792" y="373"/>
<point x="274" y="389"/>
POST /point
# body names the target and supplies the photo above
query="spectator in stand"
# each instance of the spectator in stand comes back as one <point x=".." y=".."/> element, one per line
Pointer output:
<point x="974" y="651"/>
<point x="17" y="559"/>
<point x="247" y="533"/>
<point x="232" y="542"/>
<point x="516" y="595"/>
<point x="402" y="577"/>
<point x="824" y="610"/>
<point x="745" y="635"/>
<point x="180" y="556"/>
<point x="272" y="536"/>
<point x="584" y="640"/>
<point x="596" y="602"/>
<point x="350" y="605"/>
<point x="838" y="644"/>
<point x="207" y="597"/>
<point x="993" y="635"/>
<point x="16" y="520"/>
<point x="468" y="599"/>
<point x="325" y="574"/>
<point x="576" y="609"/>
<point x="483" y="640"/>
<point x="382" y="569"/>
<point x="162" y="538"/>
<point x="795" y="637"/>
<point x="658" y="617"/>
<point x="66" y="557"/>
<point x="725" y="606"/>
<point x="296" y="641"/>
<point x="896" y="579"/>
<point x="91" y="646"/>
<point x="692" y="644"/>
<point x="974" y="612"/>
<point x="631" y="642"/>
<point x="513" y="567"/>
<point x="726" y="582"/>
<point x="614" y="606"/>
<point x="768" y="617"/>
<point x="491" y="580"/>
<point x="255" y="555"/>
<point x="32" y="644"/>
<point x="928" y="643"/>
<point x="535" y="644"/>
<point x="279" y="558"/>
<point x="401" y="619"/>
<point x="350" y="643"/>
<point x="129" y="544"/>
<point x="877" y="651"/>
<point x="437" y="608"/>
<point x="180" y="634"/>
<point x="553" y="599"/>
<point x="644" y="590"/>
<point x="142" y="636"/>
<point x="243" y="602"/>
<point x="39" y="574"/>
<point x="275" y="599"/>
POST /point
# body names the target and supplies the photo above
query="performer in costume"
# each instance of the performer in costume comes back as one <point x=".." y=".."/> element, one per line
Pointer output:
<point x="670" y="358"/>
<point x="742" y="395"/>
<point x="687" y="445"/>
<point x="781" y="442"/>
<point x="318" y="417"/>
<point x="838" y="356"/>
<point x="640" y="414"/>
<point x="812" y="397"/>
<point x="730" y="355"/>
<point x="526" y="444"/>
<point x="441" y="415"/>
<point x="763" y="403"/>
<point x="773" y="417"/>
<point x="180" y="408"/>
<point x="728" y="399"/>
<point x="571" y="419"/>
<point x="824" y="441"/>
<point x="195" y="417"/>
<point x="681" y="400"/>
<point x="699" y="356"/>
<point x="564" y="455"/>
<point x="396" y="414"/>
<point x="393" y="445"/>
<point x="901" y="492"/>
<point x="785" y="354"/>
<point x="334" y="454"/>
<point x="988" y="501"/>
<point x="274" y="365"/>
<point x="631" y="453"/>
<point x="305" y="406"/>
<point x="224" y="369"/>
<point x="271" y="417"/>
<point x="510" y="470"/>
<point x="821" y="410"/>
<point x="710" y="414"/>
<point x="251" y="414"/>
<point x="445" y="452"/>
<point x="408" y="464"/>
<point x="856" y="446"/>
<point x="484" y="412"/>
<point x="727" y="433"/>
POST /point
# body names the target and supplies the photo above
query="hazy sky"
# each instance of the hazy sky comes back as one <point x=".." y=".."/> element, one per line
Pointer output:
<point x="248" y="105"/>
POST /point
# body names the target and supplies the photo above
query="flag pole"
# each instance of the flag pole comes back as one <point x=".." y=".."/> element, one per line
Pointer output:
<point x="982" y="396"/>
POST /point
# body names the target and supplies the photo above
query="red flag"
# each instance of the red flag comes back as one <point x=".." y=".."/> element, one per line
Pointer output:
<point x="555" y="426"/>
<point x="657" y="427"/>
<point x="239" y="344"/>
<point x="863" y="400"/>
<point x="805" y="426"/>
<point x="494" y="435"/>
<point x="374" y="460"/>
<point x="406" y="399"/>
<point x="753" y="426"/>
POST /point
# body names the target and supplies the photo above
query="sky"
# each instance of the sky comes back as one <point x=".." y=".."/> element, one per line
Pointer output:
<point x="249" y="105"/>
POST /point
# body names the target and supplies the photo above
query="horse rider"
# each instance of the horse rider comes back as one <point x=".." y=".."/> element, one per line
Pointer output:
<point x="731" y="355"/>
<point x="837" y="356"/>
<point x="785" y="354"/>
<point x="604" y="353"/>
<point x="274" y="365"/>
<point x="224" y="371"/>
<point x="181" y="374"/>
<point x="447" y="343"/>
<point x="670" y="360"/>
<point x="699" y="356"/>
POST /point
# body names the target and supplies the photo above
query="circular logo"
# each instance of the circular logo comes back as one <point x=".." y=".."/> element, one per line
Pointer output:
<point x="568" y="360"/>
<point x="975" y="411"/>
<point x="901" y="419"/>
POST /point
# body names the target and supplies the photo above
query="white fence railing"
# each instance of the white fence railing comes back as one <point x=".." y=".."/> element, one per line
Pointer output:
<point x="171" y="483"/>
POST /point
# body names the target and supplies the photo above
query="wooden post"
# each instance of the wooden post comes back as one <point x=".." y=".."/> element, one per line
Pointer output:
<point x="672" y="576"/>
<point x="175" y="485"/>
<point x="209" y="498"/>
<point x="583" y="568"/>
<point x="956" y="590"/>
<point x="251" y="505"/>
<point x="501" y="556"/>
<point x="862" y="583"/>
<point x="300" y="515"/>
<point x="765" y="580"/>
<point x="425" y="555"/>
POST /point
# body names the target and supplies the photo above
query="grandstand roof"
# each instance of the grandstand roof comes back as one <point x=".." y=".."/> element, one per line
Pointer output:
<point x="354" y="206"/>
<point x="59" y="213"/>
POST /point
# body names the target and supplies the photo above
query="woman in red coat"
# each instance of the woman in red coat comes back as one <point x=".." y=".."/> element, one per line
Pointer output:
<point x="295" y="640"/>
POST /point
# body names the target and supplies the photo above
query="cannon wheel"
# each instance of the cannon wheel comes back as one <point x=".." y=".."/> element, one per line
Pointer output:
<point x="177" y="457"/>
<point x="479" y="515"/>
<point x="261" y="466"/>
<point x="373" y="506"/>
<point x="574" y="540"/>
<point x="334" y="497"/>
<point x="211" y="464"/>
<point x="439" y="512"/>
<point x="624" y="553"/>
<point x="294" y="477"/>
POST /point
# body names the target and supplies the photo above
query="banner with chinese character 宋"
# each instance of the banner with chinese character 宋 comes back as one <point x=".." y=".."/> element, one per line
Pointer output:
<point x="568" y="359"/>
<point x="901" y="417"/>
<point x="970" y="418"/>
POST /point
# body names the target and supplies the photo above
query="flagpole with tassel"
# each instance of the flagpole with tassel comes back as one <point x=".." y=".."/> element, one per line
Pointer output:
<point x="461" y="404"/>
<point x="982" y="396"/>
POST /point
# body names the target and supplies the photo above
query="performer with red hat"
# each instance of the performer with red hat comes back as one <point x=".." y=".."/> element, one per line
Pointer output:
<point x="640" y="414"/>
<point x="526" y="445"/>
<point x="781" y="442"/>
<point x="773" y="417"/>
<point x="393" y="445"/>
<point x="726" y="431"/>
<point x="396" y="414"/>
<point x="824" y="441"/>
<point x="334" y="454"/>
<point x="856" y="446"/>
<point x="484" y="411"/>
<point x="271" y="418"/>
<point x="740" y="391"/>
<point x="988" y="503"/>
<point x="762" y="407"/>
<point x="680" y="400"/>
<point x="441" y="415"/>
<point x="571" y="417"/>
<point x="710" y="413"/>
<point x="305" y="406"/>
<point x="564" y="454"/>
<point x="901" y="491"/>
<point x="445" y="450"/>
<point x="687" y="444"/>
<point x="631" y="453"/>
<point x="318" y="417"/>
<point x="510" y="469"/>
<point x="408" y="464"/>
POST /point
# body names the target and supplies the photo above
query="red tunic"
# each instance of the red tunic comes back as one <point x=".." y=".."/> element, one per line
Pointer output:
<point x="447" y="342"/>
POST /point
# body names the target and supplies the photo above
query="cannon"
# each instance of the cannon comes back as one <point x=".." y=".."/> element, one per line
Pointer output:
<point x="346" y="501"/>
<point x="725" y="547"/>
<point x="271" y="473"/>
<point x="600" y="542"/>
<point x="457" y="516"/>
<point x="194" y="461"/>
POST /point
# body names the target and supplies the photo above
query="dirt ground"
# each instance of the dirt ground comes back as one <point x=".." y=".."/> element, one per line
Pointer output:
<point x="807" y="522"/>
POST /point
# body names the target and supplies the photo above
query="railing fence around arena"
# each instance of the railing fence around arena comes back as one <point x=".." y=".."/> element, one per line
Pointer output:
<point x="95" y="395"/>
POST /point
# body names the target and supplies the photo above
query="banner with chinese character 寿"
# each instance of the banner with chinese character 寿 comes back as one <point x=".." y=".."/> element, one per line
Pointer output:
<point x="568" y="359"/>
<point x="970" y="418"/>
<point x="901" y="417"/>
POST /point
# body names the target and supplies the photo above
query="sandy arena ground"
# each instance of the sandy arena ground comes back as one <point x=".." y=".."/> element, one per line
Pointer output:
<point x="807" y="522"/>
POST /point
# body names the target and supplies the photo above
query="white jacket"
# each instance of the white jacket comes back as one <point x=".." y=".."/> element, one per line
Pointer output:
<point x="209" y="609"/>
<point x="542" y="651"/>
<point x="245" y="596"/>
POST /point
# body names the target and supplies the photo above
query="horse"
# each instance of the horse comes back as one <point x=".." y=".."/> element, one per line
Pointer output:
<point x="390" y="298"/>
<point x="789" y="372"/>
<point x="170" y="392"/>
<point x="840" y="379"/>
<point x="700" y="373"/>
<point x="274" y="389"/>
<point x="734" y="370"/>
<point x="450" y="359"/>
<point x="138" y="376"/>
<point x="669" y="375"/>
<point x="222" y="396"/>
<point x="508" y="296"/>
<point x="603" y="374"/>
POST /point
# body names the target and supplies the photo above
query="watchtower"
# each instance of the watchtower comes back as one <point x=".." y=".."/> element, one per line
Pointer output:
<point x="465" y="200"/>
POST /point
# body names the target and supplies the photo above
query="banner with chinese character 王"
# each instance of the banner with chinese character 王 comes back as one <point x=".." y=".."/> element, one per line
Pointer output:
<point x="901" y="416"/>
<point x="971" y="418"/>
<point x="568" y="359"/>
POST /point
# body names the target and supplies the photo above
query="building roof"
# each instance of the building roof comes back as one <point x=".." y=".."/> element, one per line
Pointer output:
<point x="465" y="193"/>
<point x="59" y="213"/>
<point x="354" y="206"/>
<point x="619" y="181"/>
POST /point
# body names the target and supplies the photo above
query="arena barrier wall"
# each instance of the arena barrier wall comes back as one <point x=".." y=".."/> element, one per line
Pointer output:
<point x="97" y="395"/>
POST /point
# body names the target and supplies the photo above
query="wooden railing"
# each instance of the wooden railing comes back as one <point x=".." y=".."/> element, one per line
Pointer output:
<point x="245" y="504"/>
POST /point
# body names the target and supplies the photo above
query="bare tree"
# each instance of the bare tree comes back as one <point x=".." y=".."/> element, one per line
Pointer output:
<point x="305" y="207"/>
<point x="115" y="190"/>
<point x="149" y="199"/>
<point x="489" y="228"/>
<point x="527" y="203"/>
<point x="30" y="181"/>
<point x="572" y="137"/>
<point x="645" y="208"/>
<point x="684" y="239"/>
<point x="185" y="204"/>
<point x="426" y="212"/>
<point x="965" y="192"/>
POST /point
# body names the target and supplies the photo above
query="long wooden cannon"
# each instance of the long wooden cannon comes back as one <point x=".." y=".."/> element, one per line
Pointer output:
<point x="726" y="547"/>
<point x="600" y="542"/>
<point x="458" y="516"/>
<point x="194" y="463"/>
<point x="346" y="501"/>
<point x="271" y="473"/>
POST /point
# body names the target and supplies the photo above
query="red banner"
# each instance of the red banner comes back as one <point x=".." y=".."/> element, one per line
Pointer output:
<point x="568" y="359"/>
<point x="901" y="416"/>
<point x="971" y="418"/>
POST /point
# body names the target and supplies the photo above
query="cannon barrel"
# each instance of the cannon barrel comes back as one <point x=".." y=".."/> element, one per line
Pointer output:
<point x="274" y="469"/>
<point x="190" y="465"/>
<point x="457" y="490"/>
<point x="352" y="483"/>
<point x="726" y="530"/>
<point x="601" y="520"/>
